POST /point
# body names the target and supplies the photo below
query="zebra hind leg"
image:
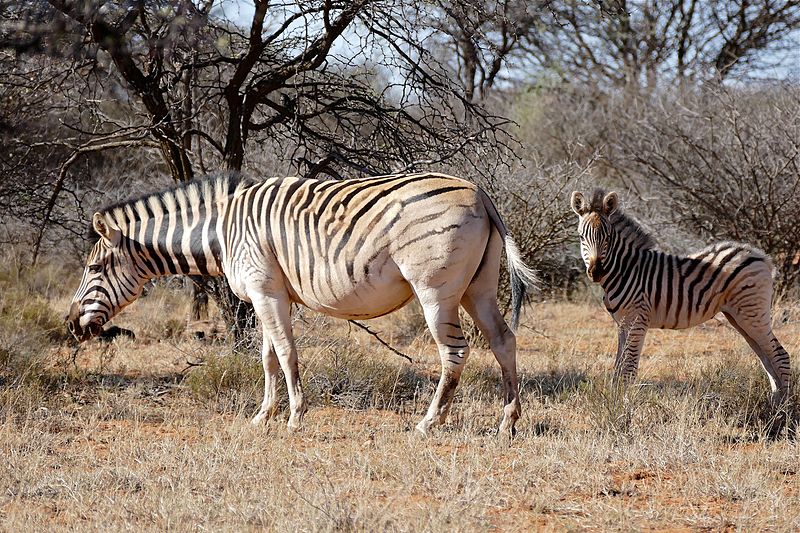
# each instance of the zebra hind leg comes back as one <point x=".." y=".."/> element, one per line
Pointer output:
<point x="444" y="325"/>
<point x="482" y="307"/>
<point x="757" y="331"/>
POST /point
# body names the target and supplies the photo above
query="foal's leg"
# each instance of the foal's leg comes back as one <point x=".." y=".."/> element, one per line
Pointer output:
<point x="749" y="310"/>
<point x="630" y="343"/>
<point x="756" y="328"/>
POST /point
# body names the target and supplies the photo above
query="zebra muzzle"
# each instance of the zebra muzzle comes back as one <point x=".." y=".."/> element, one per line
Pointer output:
<point x="73" y="322"/>
<point x="81" y="334"/>
<point x="595" y="270"/>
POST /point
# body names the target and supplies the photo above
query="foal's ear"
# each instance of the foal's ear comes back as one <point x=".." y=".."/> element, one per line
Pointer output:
<point x="578" y="203"/>
<point x="104" y="230"/>
<point x="610" y="203"/>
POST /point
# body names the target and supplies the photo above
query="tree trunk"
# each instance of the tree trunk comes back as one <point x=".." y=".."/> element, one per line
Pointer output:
<point x="239" y="316"/>
<point x="788" y="276"/>
<point x="199" y="309"/>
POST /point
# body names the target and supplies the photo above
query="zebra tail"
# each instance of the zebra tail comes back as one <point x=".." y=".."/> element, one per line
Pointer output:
<point x="523" y="277"/>
<point x="523" y="280"/>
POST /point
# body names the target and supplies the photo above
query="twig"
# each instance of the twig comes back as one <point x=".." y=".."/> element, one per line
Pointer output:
<point x="62" y="175"/>
<point x="190" y="364"/>
<point x="540" y="333"/>
<point x="365" y="328"/>
<point x="74" y="356"/>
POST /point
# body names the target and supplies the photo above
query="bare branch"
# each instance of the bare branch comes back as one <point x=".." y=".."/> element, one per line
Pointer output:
<point x="386" y="344"/>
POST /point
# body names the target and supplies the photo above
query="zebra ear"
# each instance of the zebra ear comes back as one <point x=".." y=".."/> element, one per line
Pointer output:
<point x="578" y="203"/>
<point x="610" y="203"/>
<point x="104" y="230"/>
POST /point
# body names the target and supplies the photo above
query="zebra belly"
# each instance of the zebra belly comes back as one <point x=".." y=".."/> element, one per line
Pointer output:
<point x="368" y="296"/>
<point x="684" y="320"/>
<point x="362" y="302"/>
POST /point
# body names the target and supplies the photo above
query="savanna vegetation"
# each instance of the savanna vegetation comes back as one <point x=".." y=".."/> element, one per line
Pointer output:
<point x="688" y="109"/>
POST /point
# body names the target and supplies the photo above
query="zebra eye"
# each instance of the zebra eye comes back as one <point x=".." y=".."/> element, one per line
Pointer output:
<point x="95" y="269"/>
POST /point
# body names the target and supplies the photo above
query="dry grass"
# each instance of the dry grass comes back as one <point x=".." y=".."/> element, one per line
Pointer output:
<point x="123" y="436"/>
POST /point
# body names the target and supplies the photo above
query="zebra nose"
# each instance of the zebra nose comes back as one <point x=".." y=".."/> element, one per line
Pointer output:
<point x="75" y="329"/>
<point x="73" y="319"/>
<point x="594" y="270"/>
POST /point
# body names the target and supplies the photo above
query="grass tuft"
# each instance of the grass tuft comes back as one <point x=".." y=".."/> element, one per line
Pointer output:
<point x="231" y="382"/>
<point x="29" y="325"/>
<point x="346" y="376"/>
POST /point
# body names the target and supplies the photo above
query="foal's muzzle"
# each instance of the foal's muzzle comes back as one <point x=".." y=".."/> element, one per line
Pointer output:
<point x="595" y="270"/>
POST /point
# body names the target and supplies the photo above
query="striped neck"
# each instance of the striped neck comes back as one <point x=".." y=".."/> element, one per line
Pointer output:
<point x="628" y="245"/>
<point x="620" y="262"/>
<point x="176" y="232"/>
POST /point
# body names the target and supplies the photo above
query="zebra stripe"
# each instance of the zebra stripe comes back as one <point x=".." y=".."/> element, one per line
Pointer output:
<point x="353" y="249"/>
<point x="647" y="288"/>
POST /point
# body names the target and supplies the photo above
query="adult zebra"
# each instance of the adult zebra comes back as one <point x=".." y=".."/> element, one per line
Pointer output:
<point x="646" y="288"/>
<point x="352" y="249"/>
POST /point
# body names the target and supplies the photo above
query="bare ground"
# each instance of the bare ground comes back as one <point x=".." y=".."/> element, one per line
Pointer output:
<point x="125" y="436"/>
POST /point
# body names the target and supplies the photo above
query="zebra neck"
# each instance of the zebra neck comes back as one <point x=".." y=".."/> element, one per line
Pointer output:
<point x="626" y="259"/>
<point x="178" y="243"/>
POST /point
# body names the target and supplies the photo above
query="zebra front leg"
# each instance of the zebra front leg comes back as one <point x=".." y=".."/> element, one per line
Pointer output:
<point x="287" y="356"/>
<point x="274" y="312"/>
<point x="269" y="359"/>
<point x="622" y="341"/>
<point x="445" y="327"/>
<point x="629" y="348"/>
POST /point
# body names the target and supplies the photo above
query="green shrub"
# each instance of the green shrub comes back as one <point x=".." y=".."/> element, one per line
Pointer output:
<point x="22" y="311"/>
<point x="29" y="326"/>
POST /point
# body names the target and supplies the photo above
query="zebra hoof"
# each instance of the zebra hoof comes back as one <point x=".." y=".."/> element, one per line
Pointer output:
<point x="422" y="428"/>
<point x="507" y="430"/>
<point x="295" y="424"/>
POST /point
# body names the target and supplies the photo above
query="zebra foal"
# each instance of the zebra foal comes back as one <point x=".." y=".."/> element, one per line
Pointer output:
<point x="647" y="288"/>
<point x="352" y="249"/>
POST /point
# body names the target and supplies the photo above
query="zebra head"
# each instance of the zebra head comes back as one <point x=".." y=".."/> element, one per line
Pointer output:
<point x="111" y="280"/>
<point x="595" y="229"/>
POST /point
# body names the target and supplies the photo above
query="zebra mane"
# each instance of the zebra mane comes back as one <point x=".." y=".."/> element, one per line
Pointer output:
<point x="623" y="223"/>
<point x="194" y="191"/>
